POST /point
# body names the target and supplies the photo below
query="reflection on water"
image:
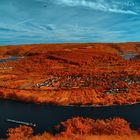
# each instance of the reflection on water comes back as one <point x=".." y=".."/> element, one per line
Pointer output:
<point x="12" y="58"/>
<point x="129" y="55"/>
<point x="45" y="116"/>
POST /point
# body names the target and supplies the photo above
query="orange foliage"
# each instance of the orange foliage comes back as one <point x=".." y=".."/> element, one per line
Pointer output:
<point x="71" y="74"/>
<point x="22" y="132"/>
<point x="80" y="129"/>
<point x="78" y="125"/>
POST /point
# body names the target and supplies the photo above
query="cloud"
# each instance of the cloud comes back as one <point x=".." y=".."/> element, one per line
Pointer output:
<point x="22" y="22"/>
<point x="68" y="21"/>
<point x="100" y="5"/>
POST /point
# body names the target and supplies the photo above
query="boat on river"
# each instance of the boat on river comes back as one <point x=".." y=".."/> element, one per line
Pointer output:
<point x="21" y="122"/>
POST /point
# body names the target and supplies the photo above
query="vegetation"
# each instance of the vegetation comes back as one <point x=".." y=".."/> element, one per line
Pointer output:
<point x="80" y="129"/>
<point x="71" y="74"/>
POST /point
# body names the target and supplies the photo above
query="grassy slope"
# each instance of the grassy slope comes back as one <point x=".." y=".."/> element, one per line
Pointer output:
<point x="23" y="49"/>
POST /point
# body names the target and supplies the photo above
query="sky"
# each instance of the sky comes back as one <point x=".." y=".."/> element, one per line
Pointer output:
<point x="61" y="21"/>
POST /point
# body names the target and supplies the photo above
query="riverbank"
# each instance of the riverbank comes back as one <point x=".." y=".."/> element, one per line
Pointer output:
<point x="53" y="83"/>
<point x="80" y="128"/>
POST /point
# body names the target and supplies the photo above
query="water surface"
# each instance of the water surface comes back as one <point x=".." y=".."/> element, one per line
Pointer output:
<point x="46" y="116"/>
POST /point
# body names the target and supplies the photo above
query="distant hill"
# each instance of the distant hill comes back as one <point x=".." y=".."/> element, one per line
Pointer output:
<point x="32" y="49"/>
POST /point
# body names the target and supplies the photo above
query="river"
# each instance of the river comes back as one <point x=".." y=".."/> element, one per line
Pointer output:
<point x="12" y="58"/>
<point x="45" y="116"/>
<point x="129" y="55"/>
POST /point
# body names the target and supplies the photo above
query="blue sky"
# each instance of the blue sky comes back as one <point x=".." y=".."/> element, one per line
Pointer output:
<point x="59" y="21"/>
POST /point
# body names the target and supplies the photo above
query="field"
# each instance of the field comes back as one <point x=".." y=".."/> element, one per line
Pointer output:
<point x="71" y="74"/>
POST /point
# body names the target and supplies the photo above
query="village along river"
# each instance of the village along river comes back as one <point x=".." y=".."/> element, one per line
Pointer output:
<point x="46" y="116"/>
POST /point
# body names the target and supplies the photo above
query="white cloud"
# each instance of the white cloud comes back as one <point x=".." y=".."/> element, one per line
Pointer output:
<point x="100" y="5"/>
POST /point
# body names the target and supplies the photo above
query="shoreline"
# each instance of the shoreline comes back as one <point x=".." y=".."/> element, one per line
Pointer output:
<point x="75" y="106"/>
